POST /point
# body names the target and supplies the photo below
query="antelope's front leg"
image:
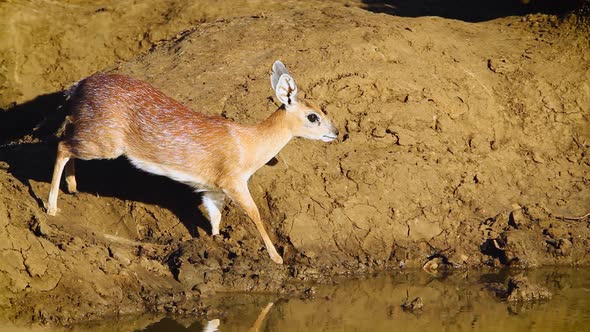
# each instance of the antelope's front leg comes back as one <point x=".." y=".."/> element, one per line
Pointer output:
<point x="241" y="195"/>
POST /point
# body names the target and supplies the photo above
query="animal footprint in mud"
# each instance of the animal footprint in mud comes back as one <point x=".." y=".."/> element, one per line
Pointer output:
<point x="116" y="115"/>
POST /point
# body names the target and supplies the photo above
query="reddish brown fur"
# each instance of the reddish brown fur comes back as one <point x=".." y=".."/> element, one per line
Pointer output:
<point x="115" y="115"/>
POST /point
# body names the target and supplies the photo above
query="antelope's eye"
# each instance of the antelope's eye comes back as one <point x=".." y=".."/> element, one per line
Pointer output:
<point x="312" y="117"/>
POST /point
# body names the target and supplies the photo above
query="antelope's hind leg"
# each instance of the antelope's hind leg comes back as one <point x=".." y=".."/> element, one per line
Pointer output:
<point x="63" y="156"/>
<point x="70" y="171"/>
<point x="213" y="202"/>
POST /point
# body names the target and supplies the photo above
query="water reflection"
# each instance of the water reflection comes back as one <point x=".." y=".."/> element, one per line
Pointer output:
<point x="211" y="326"/>
<point x="260" y="319"/>
<point x="455" y="302"/>
<point x="247" y="323"/>
<point x="448" y="303"/>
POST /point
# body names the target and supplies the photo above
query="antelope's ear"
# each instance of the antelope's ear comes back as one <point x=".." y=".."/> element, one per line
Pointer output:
<point x="278" y="69"/>
<point x="286" y="90"/>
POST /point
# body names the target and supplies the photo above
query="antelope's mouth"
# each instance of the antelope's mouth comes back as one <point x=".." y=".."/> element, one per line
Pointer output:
<point x="329" y="138"/>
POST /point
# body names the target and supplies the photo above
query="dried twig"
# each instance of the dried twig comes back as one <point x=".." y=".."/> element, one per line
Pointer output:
<point x="573" y="218"/>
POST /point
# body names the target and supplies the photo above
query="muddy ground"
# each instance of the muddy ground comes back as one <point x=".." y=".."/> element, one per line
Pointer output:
<point x="464" y="145"/>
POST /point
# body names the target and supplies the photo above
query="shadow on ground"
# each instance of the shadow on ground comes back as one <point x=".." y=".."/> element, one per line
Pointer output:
<point x="35" y="119"/>
<point x="28" y="146"/>
<point x="472" y="11"/>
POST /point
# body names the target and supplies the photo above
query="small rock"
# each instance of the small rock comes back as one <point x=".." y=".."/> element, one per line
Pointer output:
<point x="432" y="265"/>
<point x="561" y="247"/>
<point x="40" y="227"/>
<point x="379" y="132"/>
<point x="440" y="265"/>
<point x="351" y="125"/>
<point x="517" y="218"/>
<point x="499" y="66"/>
<point x="458" y="259"/>
<point x="190" y="276"/>
<point x="537" y="158"/>
<point x="121" y="254"/>
<point x="310" y="290"/>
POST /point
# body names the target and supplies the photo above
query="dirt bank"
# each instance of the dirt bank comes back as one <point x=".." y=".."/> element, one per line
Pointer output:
<point x="46" y="45"/>
<point x="463" y="142"/>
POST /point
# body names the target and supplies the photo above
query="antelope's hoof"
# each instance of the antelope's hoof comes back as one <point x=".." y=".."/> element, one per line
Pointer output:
<point x="52" y="211"/>
<point x="277" y="259"/>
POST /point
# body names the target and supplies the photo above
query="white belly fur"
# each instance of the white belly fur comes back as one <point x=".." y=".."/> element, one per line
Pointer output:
<point x="175" y="175"/>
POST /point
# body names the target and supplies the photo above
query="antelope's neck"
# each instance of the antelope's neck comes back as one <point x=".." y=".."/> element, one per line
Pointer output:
<point x="269" y="137"/>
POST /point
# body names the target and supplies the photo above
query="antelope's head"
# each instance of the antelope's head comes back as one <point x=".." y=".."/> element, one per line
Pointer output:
<point x="306" y="119"/>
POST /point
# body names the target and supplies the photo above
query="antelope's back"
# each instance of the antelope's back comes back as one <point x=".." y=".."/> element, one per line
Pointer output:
<point x="114" y="115"/>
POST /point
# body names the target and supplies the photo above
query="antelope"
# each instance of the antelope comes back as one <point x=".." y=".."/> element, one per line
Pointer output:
<point x="115" y="115"/>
